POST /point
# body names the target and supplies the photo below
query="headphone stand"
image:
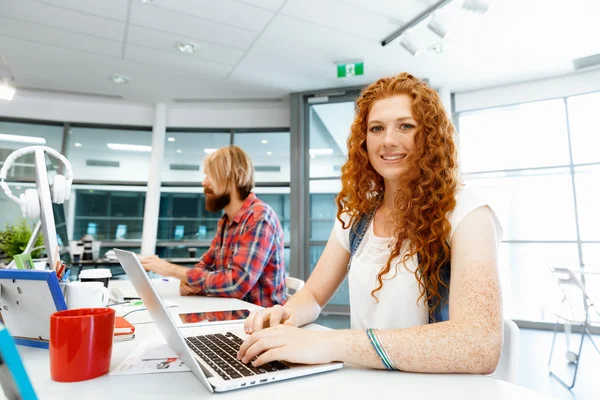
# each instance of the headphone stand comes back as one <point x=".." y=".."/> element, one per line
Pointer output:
<point x="33" y="238"/>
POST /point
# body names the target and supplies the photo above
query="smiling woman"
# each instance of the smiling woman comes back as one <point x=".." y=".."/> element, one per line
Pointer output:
<point x="423" y="287"/>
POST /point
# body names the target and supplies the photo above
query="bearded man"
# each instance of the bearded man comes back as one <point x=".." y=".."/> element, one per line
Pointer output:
<point x="245" y="259"/>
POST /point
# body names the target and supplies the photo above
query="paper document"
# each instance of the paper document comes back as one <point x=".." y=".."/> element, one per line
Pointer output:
<point x="135" y="364"/>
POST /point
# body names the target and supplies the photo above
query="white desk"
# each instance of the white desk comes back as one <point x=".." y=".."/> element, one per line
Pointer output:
<point x="349" y="382"/>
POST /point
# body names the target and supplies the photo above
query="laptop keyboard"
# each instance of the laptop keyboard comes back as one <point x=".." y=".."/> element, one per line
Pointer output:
<point x="220" y="352"/>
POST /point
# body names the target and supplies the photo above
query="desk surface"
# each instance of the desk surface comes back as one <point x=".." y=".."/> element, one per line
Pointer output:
<point x="349" y="382"/>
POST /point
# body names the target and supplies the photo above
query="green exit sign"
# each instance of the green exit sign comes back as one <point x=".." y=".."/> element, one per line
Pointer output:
<point x="351" y="69"/>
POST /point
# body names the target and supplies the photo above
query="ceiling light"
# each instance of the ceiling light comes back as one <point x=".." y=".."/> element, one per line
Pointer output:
<point x="119" y="79"/>
<point x="146" y="1"/>
<point x="22" y="139"/>
<point x="438" y="48"/>
<point x="269" y="153"/>
<point x="320" y="152"/>
<point x="186" y="47"/>
<point x="264" y="141"/>
<point x="77" y="144"/>
<point x="208" y="151"/>
<point x="408" y="45"/>
<point x="171" y="139"/>
<point x="129" y="147"/>
<point x="178" y="150"/>
<point x="7" y="92"/>
<point x="478" y="6"/>
<point x="436" y="27"/>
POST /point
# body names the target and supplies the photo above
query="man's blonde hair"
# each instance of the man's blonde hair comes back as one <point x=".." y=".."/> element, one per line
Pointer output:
<point x="231" y="165"/>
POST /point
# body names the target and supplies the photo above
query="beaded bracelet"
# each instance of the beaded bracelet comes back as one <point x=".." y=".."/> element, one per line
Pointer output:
<point x="378" y="346"/>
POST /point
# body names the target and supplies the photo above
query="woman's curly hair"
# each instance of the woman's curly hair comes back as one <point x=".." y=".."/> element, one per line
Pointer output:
<point x="427" y="185"/>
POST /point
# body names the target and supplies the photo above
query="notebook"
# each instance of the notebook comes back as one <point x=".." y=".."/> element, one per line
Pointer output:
<point x="123" y="330"/>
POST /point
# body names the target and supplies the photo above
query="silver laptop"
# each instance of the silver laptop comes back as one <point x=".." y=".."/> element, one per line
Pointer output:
<point x="211" y="357"/>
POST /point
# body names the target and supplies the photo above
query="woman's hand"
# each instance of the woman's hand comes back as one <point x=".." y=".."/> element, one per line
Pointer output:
<point x="288" y="343"/>
<point x="269" y="317"/>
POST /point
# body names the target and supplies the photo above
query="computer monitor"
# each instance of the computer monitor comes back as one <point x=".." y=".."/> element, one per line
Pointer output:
<point x="179" y="231"/>
<point x="121" y="232"/>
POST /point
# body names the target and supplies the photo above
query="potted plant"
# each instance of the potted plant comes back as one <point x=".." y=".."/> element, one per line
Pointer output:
<point x="14" y="239"/>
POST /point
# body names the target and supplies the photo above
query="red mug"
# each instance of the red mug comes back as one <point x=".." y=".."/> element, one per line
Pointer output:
<point x="81" y="343"/>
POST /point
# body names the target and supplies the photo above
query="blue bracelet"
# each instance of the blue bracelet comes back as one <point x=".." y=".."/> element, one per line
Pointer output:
<point x="385" y="359"/>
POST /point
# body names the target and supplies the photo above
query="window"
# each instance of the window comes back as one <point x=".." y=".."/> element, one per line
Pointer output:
<point x="585" y="133"/>
<point x="16" y="135"/>
<point x="270" y="154"/>
<point x="546" y="204"/>
<point x="280" y="203"/>
<point x="587" y="179"/>
<point x="525" y="201"/>
<point x="185" y="152"/>
<point x="109" y="215"/>
<point x="102" y="154"/>
<point x="183" y="217"/>
<point x="329" y="130"/>
<point x="512" y="137"/>
<point x="21" y="175"/>
<point x="342" y="295"/>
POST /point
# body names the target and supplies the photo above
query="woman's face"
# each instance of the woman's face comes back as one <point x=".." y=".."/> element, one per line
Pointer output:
<point x="391" y="130"/>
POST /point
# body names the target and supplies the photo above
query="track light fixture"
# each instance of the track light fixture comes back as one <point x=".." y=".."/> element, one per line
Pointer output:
<point x="436" y="27"/>
<point x="478" y="6"/>
<point x="409" y="45"/>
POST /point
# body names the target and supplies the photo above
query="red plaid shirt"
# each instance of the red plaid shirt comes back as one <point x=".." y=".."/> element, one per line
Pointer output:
<point x="245" y="259"/>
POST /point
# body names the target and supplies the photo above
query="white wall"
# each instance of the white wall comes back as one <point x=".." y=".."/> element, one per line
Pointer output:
<point x="73" y="108"/>
<point x="568" y="85"/>
<point x="236" y="115"/>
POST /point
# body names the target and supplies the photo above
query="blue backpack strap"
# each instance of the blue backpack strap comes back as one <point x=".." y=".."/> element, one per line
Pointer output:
<point x="358" y="230"/>
<point x="442" y="312"/>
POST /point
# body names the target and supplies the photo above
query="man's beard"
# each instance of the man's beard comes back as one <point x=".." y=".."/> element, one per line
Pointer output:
<point x="215" y="203"/>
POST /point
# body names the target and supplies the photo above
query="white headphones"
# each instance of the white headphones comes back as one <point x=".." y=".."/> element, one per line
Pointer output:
<point x="29" y="201"/>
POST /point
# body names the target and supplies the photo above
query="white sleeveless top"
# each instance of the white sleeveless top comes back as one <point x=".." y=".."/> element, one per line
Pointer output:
<point x="397" y="307"/>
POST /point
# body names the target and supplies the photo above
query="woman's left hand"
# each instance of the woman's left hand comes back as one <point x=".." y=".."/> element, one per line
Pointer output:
<point x="287" y="343"/>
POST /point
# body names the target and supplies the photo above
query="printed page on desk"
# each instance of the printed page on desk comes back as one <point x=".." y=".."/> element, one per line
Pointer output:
<point x="138" y="363"/>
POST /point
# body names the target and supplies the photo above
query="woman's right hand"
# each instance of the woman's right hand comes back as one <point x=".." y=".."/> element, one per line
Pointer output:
<point x="269" y="317"/>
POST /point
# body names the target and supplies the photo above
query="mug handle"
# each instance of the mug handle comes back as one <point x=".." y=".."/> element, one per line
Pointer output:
<point x="105" y="296"/>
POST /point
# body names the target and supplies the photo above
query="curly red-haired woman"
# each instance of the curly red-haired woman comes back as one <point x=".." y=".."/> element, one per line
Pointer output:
<point x="419" y="250"/>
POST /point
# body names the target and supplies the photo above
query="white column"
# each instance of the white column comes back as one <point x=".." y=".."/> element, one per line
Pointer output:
<point x="151" y="210"/>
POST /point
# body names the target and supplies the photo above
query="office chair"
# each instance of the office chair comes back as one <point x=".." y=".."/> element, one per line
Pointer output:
<point x="576" y="308"/>
<point x="509" y="357"/>
<point x="294" y="284"/>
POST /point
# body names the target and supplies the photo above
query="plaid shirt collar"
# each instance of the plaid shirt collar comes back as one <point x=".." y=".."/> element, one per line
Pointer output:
<point x="245" y="207"/>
